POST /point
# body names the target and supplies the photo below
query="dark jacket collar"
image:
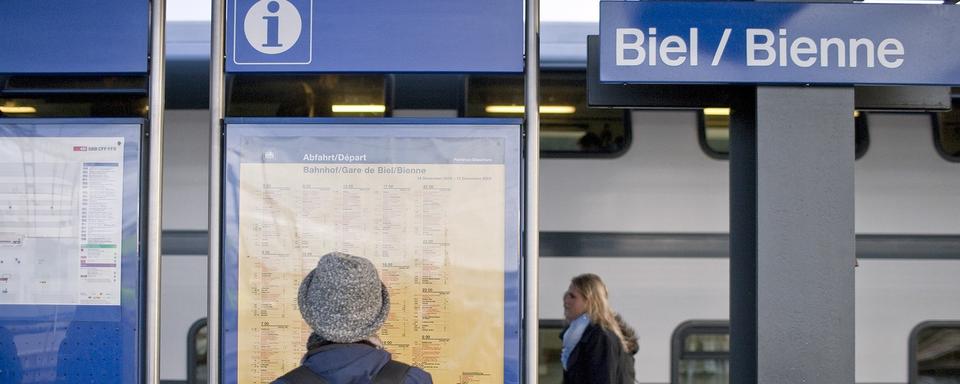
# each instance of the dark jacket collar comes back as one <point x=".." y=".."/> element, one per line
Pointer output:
<point x="345" y="363"/>
<point x="587" y="335"/>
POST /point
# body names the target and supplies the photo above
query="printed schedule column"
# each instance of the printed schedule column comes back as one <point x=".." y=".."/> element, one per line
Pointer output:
<point x="101" y="193"/>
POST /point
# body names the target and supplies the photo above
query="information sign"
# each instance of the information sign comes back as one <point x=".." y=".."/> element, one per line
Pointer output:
<point x="374" y="36"/>
<point x="69" y="250"/>
<point x="759" y="42"/>
<point x="434" y="204"/>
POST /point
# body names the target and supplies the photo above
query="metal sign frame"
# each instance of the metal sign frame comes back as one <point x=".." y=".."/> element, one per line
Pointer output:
<point x="281" y="141"/>
<point x="374" y="36"/>
<point x="99" y="341"/>
<point x="530" y="217"/>
<point x="137" y="48"/>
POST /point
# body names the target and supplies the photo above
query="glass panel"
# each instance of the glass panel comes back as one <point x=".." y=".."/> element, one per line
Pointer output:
<point x="307" y="96"/>
<point x="704" y="357"/>
<point x="716" y="129"/>
<point x="938" y="355"/>
<point x="197" y="340"/>
<point x="567" y="125"/>
<point x="200" y="371"/>
<point x="709" y="371"/>
<point x="707" y="343"/>
<point x="73" y="96"/>
<point x="715" y="135"/>
<point x="550" y="370"/>
<point x="74" y="105"/>
<point x="66" y="83"/>
<point x="948" y="132"/>
<point x="71" y="280"/>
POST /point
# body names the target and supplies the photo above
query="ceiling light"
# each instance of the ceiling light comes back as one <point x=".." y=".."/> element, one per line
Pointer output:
<point x="358" y="108"/>
<point x="716" y="111"/>
<point x="545" y="109"/>
<point x="15" y="109"/>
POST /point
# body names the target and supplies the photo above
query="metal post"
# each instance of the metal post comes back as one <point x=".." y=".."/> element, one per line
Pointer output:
<point x="532" y="218"/>
<point x="743" y="239"/>
<point x="805" y="235"/>
<point x="155" y="189"/>
<point x="213" y="223"/>
<point x="792" y="238"/>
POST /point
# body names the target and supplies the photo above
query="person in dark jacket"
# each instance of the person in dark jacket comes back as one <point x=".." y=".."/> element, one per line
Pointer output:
<point x="593" y="345"/>
<point x="345" y="303"/>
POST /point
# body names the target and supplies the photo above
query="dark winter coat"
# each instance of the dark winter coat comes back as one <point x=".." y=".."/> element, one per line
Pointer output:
<point x="627" y="371"/>
<point x="595" y="359"/>
<point x="355" y="363"/>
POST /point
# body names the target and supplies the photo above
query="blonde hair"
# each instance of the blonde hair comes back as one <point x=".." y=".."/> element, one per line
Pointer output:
<point x="598" y="307"/>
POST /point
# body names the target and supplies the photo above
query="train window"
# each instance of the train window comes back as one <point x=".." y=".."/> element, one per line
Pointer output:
<point x="307" y="96"/>
<point x="700" y="352"/>
<point x="568" y="128"/>
<point x="550" y="369"/>
<point x="935" y="353"/>
<point x="715" y="133"/>
<point x="947" y="132"/>
<point x="73" y="96"/>
<point x="197" y="352"/>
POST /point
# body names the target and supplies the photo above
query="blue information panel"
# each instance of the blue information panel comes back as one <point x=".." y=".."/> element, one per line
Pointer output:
<point x="786" y="43"/>
<point x="374" y="36"/>
<point x="434" y="204"/>
<point x="69" y="36"/>
<point x="70" y="292"/>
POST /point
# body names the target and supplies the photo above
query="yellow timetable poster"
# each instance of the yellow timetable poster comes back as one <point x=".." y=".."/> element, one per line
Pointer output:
<point x="434" y="231"/>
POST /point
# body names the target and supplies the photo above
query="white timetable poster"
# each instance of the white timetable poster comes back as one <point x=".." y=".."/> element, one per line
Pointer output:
<point x="61" y="201"/>
<point x="430" y="212"/>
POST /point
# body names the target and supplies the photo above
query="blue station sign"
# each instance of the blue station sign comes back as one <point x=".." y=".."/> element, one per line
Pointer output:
<point x="76" y="37"/>
<point x="374" y="36"/>
<point x="779" y="43"/>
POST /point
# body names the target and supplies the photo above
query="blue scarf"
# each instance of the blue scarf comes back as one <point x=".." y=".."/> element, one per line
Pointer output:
<point x="572" y="336"/>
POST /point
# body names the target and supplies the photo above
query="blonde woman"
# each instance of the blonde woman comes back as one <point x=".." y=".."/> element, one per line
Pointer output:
<point x="594" y="348"/>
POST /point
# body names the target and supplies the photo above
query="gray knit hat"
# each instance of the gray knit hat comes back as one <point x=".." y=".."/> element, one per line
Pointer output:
<point x="343" y="299"/>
